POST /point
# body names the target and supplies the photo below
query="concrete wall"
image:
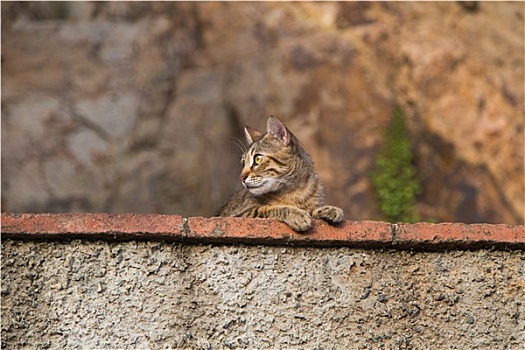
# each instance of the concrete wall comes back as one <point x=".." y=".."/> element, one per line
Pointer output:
<point x="86" y="294"/>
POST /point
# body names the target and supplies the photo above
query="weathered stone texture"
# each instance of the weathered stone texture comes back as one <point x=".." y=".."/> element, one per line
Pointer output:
<point x="83" y="294"/>
<point x="135" y="106"/>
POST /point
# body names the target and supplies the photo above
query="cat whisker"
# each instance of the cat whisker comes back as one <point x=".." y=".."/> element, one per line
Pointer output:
<point x="239" y="144"/>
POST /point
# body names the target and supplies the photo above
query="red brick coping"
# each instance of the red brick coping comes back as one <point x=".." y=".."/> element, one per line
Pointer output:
<point x="198" y="230"/>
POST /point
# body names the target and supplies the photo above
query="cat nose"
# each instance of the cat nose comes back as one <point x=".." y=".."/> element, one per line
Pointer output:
<point x="244" y="176"/>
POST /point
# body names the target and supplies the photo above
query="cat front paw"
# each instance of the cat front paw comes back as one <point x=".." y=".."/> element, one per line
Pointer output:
<point x="329" y="213"/>
<point x="298" y="220"/>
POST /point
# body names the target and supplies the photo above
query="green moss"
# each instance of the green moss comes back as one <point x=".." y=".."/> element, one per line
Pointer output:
<point x="394" y="178"/>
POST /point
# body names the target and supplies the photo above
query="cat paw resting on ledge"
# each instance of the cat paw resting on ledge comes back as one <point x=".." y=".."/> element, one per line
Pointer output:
<point x="279" y="181"/>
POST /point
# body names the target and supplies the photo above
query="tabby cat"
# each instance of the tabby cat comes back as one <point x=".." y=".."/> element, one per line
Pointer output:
<point x="279" y="181"/>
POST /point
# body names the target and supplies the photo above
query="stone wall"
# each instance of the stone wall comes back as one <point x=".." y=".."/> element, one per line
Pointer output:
<point x="88" y="281"/>
<point x="152" y="295"/>
<point x="135" y="106"/>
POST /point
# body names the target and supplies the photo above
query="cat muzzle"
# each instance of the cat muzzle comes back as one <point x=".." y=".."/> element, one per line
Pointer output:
<point x="250" y="185"/>
<point x="261" y="187"/>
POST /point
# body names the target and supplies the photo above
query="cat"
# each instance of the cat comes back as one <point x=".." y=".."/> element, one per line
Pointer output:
<point x="279" y="181"/>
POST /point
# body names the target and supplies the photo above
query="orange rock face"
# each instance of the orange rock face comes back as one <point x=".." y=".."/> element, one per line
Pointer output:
<point x="135" y="107"/>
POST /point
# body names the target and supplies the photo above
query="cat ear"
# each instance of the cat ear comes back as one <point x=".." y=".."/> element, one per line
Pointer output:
<point x="252" y="135"/>
<point x="278" y="130"/>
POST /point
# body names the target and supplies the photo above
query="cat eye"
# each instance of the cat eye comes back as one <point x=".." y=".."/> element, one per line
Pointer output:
<point x="257" y="159"/>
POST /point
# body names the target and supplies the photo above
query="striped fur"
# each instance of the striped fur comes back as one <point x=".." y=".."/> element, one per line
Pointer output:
<point x="279" y="181"/>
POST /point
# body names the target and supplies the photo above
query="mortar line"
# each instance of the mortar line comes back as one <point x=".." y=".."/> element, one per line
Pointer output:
<point x="395" y="228"/>
<point x="185" y="229"/>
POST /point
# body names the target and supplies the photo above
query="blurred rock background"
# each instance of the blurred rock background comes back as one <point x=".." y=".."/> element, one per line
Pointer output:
<point x="135" y="106"/>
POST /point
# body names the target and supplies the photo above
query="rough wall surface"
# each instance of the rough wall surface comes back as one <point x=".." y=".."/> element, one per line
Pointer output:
<point x="95" y="294"/>
<point x="135" y="104"/>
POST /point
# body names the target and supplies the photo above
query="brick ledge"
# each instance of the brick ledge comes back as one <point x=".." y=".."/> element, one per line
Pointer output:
<point x="198" y="230"/>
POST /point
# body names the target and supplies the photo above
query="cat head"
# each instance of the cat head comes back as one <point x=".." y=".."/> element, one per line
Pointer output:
<point x="272" y="160"/>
